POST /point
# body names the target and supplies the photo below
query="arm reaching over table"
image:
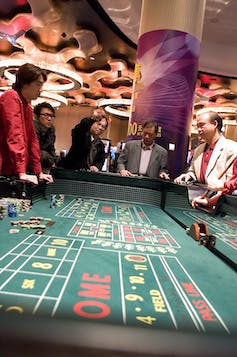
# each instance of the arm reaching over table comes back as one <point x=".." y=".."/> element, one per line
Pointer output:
<point x="45" y="177"/>
<point x="183" y="178"/>
<point x="206" y="201"/>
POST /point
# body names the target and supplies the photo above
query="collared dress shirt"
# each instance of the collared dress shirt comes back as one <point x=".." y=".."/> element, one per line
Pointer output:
<point x="145" y="158"/>
<point x="205" y="161"/>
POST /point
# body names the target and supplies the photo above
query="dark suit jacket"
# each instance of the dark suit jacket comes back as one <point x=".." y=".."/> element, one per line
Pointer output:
<point x="129" y="159"/>
<point x="77" y="157"/>
<point x="46" y="141"/>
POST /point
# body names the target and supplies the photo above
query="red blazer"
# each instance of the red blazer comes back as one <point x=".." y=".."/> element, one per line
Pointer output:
<point x="231" y="184"/>
<point x="19" y="146"/>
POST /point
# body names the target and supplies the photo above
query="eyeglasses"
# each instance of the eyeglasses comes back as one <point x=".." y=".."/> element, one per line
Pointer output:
<point x="47" y="115"/>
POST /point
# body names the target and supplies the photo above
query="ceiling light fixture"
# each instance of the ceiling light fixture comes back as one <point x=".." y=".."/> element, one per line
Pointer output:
<point x="117" y="112"/>
<point x="216" y="109"/>
<point x="72" y="76"/>
<point x="106" y="103"/>
<point x="39" y="100"/>
<point x="54" y="96"/>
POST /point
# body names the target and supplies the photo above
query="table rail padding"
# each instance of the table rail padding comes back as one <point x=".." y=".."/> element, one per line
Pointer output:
<point x="230" y="205"/>
<point x="105" y="191"/>
<point x="174" y="199"/>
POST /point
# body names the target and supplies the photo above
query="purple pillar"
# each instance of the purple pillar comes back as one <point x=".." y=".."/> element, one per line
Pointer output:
<point x="165" y="77"/>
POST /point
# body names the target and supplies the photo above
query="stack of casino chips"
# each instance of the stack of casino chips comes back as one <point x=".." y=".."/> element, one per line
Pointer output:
<point x="32" y="223"/>
<point x="3" y="208"/>
<point x="13" y="205"/>
<point x="1" y="212"/>
<point x="12" y="210"/>
<point x="61" y="198"/>
<point x="25" y="205"/>
<point x="56" y="201"/>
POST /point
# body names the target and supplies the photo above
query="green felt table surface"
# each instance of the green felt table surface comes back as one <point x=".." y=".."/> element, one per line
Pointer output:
<point x="115" y="262"/>
<point x="223" y="227"/>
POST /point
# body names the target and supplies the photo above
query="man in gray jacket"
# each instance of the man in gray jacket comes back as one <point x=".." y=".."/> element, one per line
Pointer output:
<point x="144" y="157"/>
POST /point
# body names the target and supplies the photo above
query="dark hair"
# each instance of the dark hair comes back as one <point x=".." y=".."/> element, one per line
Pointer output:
<point x="26" y="74"/>
<point x="150" y="124"/>
<point x="215" y="117"/>
<point x="38" y="107"/>
<point x="97" y="117"/>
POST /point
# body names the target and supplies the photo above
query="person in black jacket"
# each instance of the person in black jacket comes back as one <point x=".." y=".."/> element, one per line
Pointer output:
<point x="45" y="130"/>
<point x="87" y="150"/>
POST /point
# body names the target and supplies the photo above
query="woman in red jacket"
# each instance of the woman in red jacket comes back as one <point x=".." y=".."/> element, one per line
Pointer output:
<point x="19" y="146"/>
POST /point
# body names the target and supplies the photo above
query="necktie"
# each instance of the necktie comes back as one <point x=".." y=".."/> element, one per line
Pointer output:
<point x="144" y="147"/>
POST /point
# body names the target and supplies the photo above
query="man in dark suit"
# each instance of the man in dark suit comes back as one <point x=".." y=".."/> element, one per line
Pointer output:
<point x="144" y="157"/>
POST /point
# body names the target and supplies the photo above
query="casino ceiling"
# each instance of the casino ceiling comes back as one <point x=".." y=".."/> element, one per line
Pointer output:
<point x="85" y="54"/>
<point x="88" y="47"/>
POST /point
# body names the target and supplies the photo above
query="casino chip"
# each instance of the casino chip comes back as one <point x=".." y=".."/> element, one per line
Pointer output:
<point x="13" y="230"/>
<point x="39" y="231"/>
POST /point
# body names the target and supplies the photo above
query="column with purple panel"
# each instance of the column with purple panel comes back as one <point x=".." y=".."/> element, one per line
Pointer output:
<point x="165" y="74"/>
